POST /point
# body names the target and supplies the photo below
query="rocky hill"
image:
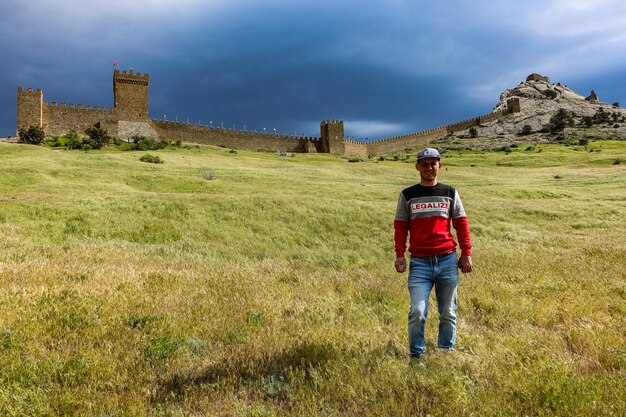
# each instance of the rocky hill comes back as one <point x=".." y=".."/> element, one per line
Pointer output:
<point x="553" y="111"/>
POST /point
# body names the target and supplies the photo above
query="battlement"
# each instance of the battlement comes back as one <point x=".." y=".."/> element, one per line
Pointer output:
<point x="29" y="90"/>
<point x="130" y="77"/>
<point x="88" y="108"/>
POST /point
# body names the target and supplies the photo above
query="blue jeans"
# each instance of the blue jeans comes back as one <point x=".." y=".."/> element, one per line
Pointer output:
<point x="441" y="272"/>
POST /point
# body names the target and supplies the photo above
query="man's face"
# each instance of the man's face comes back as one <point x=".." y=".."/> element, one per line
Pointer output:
<point x="428" y="168"/>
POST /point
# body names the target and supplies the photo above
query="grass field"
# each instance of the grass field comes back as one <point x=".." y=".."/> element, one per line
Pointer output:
<point x="249" y="284"/>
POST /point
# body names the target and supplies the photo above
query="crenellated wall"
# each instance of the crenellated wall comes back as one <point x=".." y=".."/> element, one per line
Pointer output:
<point x="398" y="143"/>
<point x="237" y="139"/>
<point x="129" y="116"/>
<point x="60" y="119"/>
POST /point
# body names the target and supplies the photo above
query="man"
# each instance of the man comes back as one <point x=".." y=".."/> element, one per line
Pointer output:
<point x="425" y="212"/>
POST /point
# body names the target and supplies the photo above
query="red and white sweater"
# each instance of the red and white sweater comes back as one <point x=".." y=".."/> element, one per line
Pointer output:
<point x="425" y="214"/>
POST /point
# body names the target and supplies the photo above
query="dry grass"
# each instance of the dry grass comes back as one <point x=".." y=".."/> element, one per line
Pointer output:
<point x="251" y="284"/>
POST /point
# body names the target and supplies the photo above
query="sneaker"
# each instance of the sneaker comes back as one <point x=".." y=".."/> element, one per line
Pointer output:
<point x="416" y="360"/>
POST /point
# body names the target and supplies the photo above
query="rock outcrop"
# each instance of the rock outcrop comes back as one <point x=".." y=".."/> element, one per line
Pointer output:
<point x="540" y="100"/>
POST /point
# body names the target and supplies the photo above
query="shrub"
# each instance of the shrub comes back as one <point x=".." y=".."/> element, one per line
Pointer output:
<point x="616" y="104"/>
<point x="143" y="143"/>
<point x="617" y="162"/>
<point x="583" y="142"/>
<point x="152" y="159"/>
<point x="601" y="116"/>
<point x="559" y="121"/>
<point x="551" y="94"/>
<point x="526" y="130"/>
<point x="586" y="121"/>
<point x="34" y="135"/>
<point x="98" y="137"/>
<point x="473" y="132"/>
<point x="70" y="140"/>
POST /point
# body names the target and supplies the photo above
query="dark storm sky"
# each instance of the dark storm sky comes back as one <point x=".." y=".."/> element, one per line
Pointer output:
<point x="384" y="67"/>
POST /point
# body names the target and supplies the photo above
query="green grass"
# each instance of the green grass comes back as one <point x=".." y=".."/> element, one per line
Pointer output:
<point x="249" y="284"/>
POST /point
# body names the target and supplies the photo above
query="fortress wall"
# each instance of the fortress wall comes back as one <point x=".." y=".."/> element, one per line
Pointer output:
<point x="357" y="149"/>
<point x="463" y="125"/>
<point x="486" y="118"/>
<point x="59" y="120"/>
<point x="398" y="143"/>
<point x="233" y="138"/>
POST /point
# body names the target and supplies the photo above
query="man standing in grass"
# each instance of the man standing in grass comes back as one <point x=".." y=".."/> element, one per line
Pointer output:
<point x="425" y="212"/>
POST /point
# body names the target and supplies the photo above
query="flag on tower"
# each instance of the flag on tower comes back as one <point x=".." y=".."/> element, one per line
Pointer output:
<point x="116" y="63"/>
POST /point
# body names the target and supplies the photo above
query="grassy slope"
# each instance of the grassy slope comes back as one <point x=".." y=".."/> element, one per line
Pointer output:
<point x="129" y="288"/>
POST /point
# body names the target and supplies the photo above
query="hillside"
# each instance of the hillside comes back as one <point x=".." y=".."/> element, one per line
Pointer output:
<point x="240" y="283"/>
<point x="540" y="100"/>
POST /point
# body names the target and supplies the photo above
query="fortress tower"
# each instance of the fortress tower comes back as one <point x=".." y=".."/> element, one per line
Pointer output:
<point x="331" y="137"/>
<point x="130" y="94"/>
<point x="29" y="108"/>
<point x="513" y="105"/>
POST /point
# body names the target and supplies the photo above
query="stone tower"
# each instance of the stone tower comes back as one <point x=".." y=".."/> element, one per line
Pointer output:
<point x="29" y="108"/>
<point x="130" y="94"/>
<point x="331" y="137"/>
<point x="513" y="105"/>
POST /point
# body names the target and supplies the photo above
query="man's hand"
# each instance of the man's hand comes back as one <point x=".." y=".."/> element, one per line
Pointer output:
<point x="465" y="264"/>
<point x="401" y="264"/>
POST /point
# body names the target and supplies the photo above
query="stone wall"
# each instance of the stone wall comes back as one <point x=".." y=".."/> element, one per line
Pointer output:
<point x="60" y="119"/>
<point x="233" y="138"/>
<point x="358" y="149"/>
<point x="398" y="143"/>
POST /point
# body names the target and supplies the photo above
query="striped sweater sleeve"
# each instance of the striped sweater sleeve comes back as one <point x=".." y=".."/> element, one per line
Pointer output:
<point x="461" y="225"/>
<point x="401" y="226"/>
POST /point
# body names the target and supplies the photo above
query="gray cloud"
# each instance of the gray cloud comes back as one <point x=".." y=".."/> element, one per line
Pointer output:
<point x="385" y="68"/>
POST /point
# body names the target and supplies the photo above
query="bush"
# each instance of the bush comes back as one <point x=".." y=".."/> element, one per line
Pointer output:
<point x="152" y="159"/>
<point x="473" y="132"/>
<point x="601" y="116"/>
<point x="586" y="121"/>
<point x="143" y="143"/>
<point x="98" y="137"/>
<point x="551" y="94"/>
<point x="616" y="104"/>
<point x="34" y="135"/>
<point x="559" y="121"/>
<point x="526" y="130"/>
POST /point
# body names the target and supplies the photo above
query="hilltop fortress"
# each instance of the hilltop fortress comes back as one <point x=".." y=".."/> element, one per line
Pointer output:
<point x="129" y="116"/>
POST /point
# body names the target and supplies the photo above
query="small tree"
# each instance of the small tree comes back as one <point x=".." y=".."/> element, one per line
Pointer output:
<point x="551" y="94"/>
<point x="586" y="121"/>
<point x="473" y="132"/>
<point x="98" y="137"/>
<point x="34" y="135"/>
<point x="559" y="121"/>
<point x="601" y="116"/>
<point x="526" y="130"/>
